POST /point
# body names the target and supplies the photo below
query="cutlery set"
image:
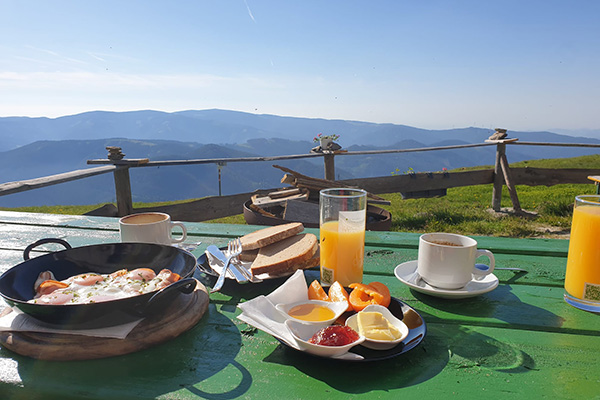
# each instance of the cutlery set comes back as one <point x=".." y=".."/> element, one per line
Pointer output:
<point x="231" y="263"/>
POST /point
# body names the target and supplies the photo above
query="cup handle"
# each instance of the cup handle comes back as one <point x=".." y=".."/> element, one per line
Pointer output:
<point x="183" y="230"/>
<point x="480" y="269"/>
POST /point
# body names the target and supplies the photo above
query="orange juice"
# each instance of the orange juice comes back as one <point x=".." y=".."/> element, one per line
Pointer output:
<point x="342" y="255"/>
<point x="582" y="279"/>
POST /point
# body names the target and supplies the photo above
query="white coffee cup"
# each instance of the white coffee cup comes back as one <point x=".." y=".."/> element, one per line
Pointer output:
<point x="447" y="260"/>
<point x="150" y="227"/>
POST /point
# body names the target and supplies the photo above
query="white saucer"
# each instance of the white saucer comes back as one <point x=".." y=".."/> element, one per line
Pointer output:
<point x="407" y="274"/>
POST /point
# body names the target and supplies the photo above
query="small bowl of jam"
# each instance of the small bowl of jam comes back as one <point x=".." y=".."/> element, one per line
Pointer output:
<point x="313" y="312"/>
<point x="328" y="341"/>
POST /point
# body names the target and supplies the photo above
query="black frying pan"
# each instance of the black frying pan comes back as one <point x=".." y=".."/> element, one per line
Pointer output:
<point x="17" y="284"/>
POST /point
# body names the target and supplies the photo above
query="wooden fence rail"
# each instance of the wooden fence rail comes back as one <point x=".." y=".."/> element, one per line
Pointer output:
<point x="30" y="184"/>
<point x="216" y="207"/>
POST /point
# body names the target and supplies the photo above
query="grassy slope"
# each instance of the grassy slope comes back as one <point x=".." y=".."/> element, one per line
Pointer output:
<point x="464" y="209"/>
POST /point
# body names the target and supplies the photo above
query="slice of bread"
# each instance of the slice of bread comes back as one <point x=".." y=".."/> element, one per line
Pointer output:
<point x="248" y="255"/>
<point x="270" y="235"/>
<point x="286" y="255"/>
<point x="314" y="261"/>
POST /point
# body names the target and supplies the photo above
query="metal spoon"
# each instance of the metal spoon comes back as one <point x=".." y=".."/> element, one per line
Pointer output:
<point x="484" y="267"/>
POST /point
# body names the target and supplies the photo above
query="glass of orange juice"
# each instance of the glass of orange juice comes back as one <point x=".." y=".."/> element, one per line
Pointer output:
<point x="582" y="279"/>
<point x="343" y="213"/>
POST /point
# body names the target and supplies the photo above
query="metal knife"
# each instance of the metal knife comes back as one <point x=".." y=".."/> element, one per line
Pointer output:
<point x="218" y="254"/>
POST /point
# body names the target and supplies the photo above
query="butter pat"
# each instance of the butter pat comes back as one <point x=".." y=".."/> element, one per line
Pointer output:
<point x="373" y="325"/>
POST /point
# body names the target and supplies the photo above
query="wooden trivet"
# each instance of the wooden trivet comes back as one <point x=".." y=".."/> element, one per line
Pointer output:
<point x="181" y="315"/>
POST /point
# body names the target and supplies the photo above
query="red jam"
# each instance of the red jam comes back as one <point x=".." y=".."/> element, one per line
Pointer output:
<point x="335" y="335"/>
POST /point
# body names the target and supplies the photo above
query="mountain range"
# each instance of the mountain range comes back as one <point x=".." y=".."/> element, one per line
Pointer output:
<point x="35" y="147"/>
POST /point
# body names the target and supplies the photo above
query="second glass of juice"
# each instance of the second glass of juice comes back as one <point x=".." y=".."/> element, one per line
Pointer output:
<point x="582" y="278"/>
<point x="343" y="214"/>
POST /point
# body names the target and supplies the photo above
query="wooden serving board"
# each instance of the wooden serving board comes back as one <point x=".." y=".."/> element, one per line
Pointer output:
<point x="183" y="313"/>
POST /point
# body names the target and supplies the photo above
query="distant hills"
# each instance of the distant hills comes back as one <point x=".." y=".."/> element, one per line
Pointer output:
<point x="34" y="147"/>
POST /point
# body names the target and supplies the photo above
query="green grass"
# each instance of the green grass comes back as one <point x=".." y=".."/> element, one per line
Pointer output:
<point x="467" y="210"/>
<point x="463" y="210"/>
<point x="584" y="162"/>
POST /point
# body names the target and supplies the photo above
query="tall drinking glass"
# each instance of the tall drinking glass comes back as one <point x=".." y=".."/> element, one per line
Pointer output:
<point x="343" y="214"/>
<point x="582" y="279"/>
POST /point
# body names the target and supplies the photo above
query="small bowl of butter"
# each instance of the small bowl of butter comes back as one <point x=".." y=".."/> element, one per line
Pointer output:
<point x="379" y="326"/>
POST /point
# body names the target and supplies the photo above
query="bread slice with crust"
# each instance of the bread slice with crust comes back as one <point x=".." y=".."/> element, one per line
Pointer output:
<point x="314" y="261"/>
<point x="270" y="235"/>
<point x="248" y="255"/>
<point x="287" y="255"/>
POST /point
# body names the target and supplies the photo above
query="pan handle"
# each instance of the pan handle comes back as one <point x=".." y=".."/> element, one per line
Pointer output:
<point x="44" y="241"/>
<point x="185" y="285"/>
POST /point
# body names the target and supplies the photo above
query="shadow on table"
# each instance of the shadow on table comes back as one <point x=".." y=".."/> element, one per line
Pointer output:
<point x="500" y="304"/>
<point x="475" y="349"/>
<point x="197" y="355"/>
<point x="448" y="344"/>
<point x="419" y="365"/>
<point x="409" y="364"/>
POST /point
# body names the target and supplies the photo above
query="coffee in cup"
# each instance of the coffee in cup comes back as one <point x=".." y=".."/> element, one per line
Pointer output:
<point x="447" y="260"/>
<point x="150" y="227"/>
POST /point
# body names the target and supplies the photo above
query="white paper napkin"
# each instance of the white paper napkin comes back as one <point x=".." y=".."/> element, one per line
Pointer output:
<point x="17" y="321"/>
<point x="261" y="313"/>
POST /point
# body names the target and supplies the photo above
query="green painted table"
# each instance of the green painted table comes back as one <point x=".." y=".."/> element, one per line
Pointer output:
<point x="520" y="340"/>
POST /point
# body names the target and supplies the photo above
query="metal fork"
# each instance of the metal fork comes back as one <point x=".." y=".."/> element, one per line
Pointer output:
<point x="234" y="249"/>
<point x="236" y="263"/>
<point x="238" y="268"/>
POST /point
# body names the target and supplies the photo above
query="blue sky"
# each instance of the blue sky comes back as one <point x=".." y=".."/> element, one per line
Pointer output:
<point x="522" y="65"/>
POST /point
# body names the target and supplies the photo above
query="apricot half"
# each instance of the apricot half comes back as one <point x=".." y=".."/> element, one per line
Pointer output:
<point x="382" y="289"/>
<point x="363" y="295"/>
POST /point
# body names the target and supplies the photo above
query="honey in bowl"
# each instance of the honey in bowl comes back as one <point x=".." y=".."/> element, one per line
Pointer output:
<point x="311" y="312"/>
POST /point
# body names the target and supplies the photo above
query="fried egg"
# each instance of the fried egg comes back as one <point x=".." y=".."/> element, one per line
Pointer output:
<point x="95" y="288"/>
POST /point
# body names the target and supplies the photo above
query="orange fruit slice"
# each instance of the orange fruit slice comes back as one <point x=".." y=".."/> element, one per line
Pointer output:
<point x="338" y="293"/>
<point x="316" y="292"/>
<point x="363" y="295"/>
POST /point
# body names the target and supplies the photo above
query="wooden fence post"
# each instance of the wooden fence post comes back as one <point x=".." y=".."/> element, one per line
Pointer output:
<point x="502" y="172"/>
<point x="509" y="184"/>
<point x="122" y="182"/>
<point x="498" y="177"/>
<point x="123" y="191"/>
<point x="329" y="166"/>
<point x="220" y="166"/>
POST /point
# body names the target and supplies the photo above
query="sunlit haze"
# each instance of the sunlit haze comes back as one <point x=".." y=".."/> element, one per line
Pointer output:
<point x="523" y="65"/>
